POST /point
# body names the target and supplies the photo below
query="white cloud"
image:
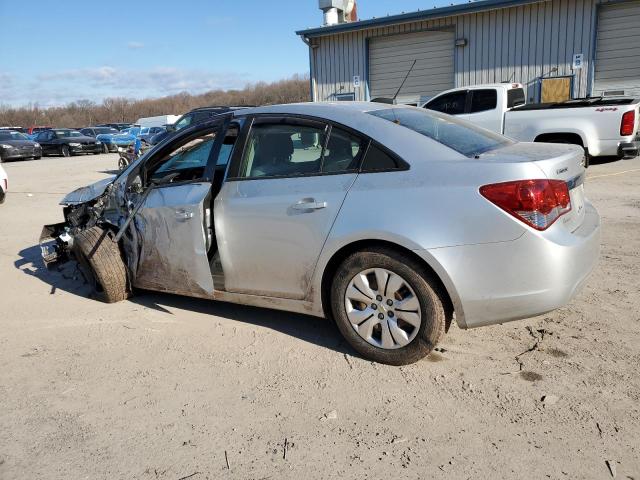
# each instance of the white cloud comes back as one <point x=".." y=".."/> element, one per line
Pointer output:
<point x="135" y="45"/>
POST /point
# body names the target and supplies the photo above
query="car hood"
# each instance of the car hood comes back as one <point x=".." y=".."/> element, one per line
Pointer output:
<point x="77" y="139"/>
<point x="106" y="136"/>
<point x="88" y="193"/>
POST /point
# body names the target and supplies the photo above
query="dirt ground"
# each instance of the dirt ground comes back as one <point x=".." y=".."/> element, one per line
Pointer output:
<point x="167" y="387"/>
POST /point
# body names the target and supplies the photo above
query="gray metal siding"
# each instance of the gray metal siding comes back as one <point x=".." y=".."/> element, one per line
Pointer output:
<point x="617" y="64"/>
<point x="391" y="57"/>
<point x="517" y="44"/>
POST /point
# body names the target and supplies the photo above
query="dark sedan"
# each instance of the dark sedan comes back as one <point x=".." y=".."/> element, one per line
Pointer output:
<point x="67" y="142"/>
<point x="17" y="146"/>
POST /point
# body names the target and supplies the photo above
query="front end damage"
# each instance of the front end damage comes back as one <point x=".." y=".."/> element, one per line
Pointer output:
<point x="83" y="208"/>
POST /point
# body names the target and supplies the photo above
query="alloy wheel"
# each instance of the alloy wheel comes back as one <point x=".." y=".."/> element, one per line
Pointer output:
<point x="383" y="308"/>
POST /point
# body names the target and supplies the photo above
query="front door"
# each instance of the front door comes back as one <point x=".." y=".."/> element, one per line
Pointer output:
<point x="278" y="204"/>
<point x="174" y="227"/>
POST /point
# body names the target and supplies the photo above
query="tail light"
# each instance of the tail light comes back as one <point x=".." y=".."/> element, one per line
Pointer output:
<point x="538" y="203"/>
<point x="627" y="123"/>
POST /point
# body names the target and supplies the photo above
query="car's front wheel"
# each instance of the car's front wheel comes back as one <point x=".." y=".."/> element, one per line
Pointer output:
<point x="101" y="264"/>
<point x="387" y="306"/>
<point x="105" y="148"/>
<point x="64" y="151"/>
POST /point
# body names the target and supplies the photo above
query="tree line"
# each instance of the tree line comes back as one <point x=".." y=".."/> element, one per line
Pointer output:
<point x="83" y="113"/>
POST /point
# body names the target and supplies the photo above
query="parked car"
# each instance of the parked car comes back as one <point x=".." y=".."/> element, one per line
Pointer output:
<point x="4" y="184"/>
<point x="104" y="135"/>
<point x="118" y="126"/>
<point x="17" y="146"/>
<point x="603" y="126"/>
<point x="387" y="218"/>
<point x="67" y="142"/>
<point x="15" y="129"/>
<point x="147" y="133"/>
<point x="193" y="117"/>
<point x="35" y="129"/>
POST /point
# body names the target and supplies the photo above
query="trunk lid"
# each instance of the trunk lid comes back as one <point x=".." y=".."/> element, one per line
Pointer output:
<point x="556" y="162"/>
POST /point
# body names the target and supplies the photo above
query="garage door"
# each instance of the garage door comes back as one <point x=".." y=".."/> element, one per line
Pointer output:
<point x="617" y="66"/>
<point x="390" y="59"/>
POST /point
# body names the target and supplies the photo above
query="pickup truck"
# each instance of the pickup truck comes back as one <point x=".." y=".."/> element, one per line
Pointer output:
<point x="602" y="126"/>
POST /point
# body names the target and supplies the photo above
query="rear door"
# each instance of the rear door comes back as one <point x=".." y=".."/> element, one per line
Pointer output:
<point x="282" y="194"/>
<point x="173" y="227"/>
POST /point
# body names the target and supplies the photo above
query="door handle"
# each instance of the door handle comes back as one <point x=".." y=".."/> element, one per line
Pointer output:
<point x="309" y="204"/>
<point x="183" y="215"/>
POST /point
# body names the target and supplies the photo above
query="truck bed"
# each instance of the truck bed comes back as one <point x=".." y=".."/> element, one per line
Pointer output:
<point x="577" y="103"/>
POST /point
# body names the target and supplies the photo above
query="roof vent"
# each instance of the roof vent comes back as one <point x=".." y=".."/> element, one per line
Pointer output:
<point x="338" y="11"/>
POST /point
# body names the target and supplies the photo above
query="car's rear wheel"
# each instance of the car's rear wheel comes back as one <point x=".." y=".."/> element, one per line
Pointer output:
<point x="101" y="264"/>
<point x="64" y="151"/>
<point x="387" y="306"/>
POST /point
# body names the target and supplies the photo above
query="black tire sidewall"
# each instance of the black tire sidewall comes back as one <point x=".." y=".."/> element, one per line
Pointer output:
<point x="433" y="316"/>
<point x="65" y="151"/>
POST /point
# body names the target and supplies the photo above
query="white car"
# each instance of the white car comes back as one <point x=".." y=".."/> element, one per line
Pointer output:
<point x="4" y="184"/>
<point x="602" y="126"/>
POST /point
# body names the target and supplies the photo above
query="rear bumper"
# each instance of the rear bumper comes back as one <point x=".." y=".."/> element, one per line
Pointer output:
<point x="539" y="272"/>
<point x="629" y="149"/>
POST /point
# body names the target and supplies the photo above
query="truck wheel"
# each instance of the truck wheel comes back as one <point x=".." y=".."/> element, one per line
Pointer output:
<point x="387" y="307"/>
<point x="101" y="264"/>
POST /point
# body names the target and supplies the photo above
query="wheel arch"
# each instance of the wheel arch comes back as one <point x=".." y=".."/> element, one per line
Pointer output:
<point x="444" y="284"/>
<point x="572" y="137"/>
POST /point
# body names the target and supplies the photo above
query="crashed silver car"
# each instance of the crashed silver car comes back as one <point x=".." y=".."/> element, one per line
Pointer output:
<point x="390" y="220"/>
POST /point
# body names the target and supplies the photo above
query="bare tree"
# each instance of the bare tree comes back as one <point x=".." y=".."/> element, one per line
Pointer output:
<point x="119" y="109"/>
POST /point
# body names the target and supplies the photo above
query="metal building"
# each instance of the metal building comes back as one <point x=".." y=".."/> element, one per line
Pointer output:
<point x="556" y="48"/>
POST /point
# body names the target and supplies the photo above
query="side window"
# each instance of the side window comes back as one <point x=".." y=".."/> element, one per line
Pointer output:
<point x="275" y="150"/>
<point x="184" y="122"/>
<point x="188" y="160"/>
<point x="376" y="159"/>
<point x="342" y="153"/>
<point x="226" y="149"/>
<point x="483" y="100"/>
<point x="451" y="103"/>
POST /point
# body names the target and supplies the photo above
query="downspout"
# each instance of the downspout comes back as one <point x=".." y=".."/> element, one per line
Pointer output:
<point x="312" y="80"/>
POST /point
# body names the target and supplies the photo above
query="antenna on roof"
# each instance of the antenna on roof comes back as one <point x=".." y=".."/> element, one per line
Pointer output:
<point x="405" y="79"/>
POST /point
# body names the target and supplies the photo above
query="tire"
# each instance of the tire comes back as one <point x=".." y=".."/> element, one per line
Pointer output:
<point x="37" y="158"/>
<point x="122" y="163"/>
<point x="105" y="148"/>
<point x="64" y="151"/>
<point x="101" y="264"/>
<point x="425" y="292"/>
<point x="587" y="159"/>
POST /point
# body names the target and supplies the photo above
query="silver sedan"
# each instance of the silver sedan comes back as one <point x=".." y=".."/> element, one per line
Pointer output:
<point x="391" y="220"/>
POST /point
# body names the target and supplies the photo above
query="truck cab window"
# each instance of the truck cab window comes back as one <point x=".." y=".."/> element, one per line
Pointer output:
<point x="483" y="100"/>
<point x="452" y="103"/>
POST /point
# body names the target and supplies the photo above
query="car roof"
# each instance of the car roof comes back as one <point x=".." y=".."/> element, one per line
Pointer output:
<point x="319" y="109"/>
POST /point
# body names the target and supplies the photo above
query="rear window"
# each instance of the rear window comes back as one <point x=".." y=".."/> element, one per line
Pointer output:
<point x="461" y="136"/>
<point x="515" y="97"/>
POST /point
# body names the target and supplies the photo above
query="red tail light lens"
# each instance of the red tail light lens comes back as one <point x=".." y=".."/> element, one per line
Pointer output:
<point x="627" y="124"/>
<point x="538" y="203"/>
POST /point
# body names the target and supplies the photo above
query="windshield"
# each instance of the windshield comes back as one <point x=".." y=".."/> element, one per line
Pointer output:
<point x="68" y="133"/>
<point x="105" y="130"/>
<point x="144" y="130"/>
<point x="12" y="136"/>
<point x="461" y="136"/>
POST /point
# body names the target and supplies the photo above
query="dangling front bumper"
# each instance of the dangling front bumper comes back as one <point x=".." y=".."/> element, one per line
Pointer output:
<point x="55" y="243"/>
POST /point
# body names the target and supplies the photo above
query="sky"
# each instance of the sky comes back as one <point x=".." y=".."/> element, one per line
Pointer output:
<point x="52" y="53"/>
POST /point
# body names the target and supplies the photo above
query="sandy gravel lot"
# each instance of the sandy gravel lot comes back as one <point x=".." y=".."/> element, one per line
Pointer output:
<point x="166" y="387"/>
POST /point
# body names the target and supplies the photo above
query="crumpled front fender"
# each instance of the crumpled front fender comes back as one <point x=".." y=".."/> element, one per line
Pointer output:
<point x="88" y="193"/>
